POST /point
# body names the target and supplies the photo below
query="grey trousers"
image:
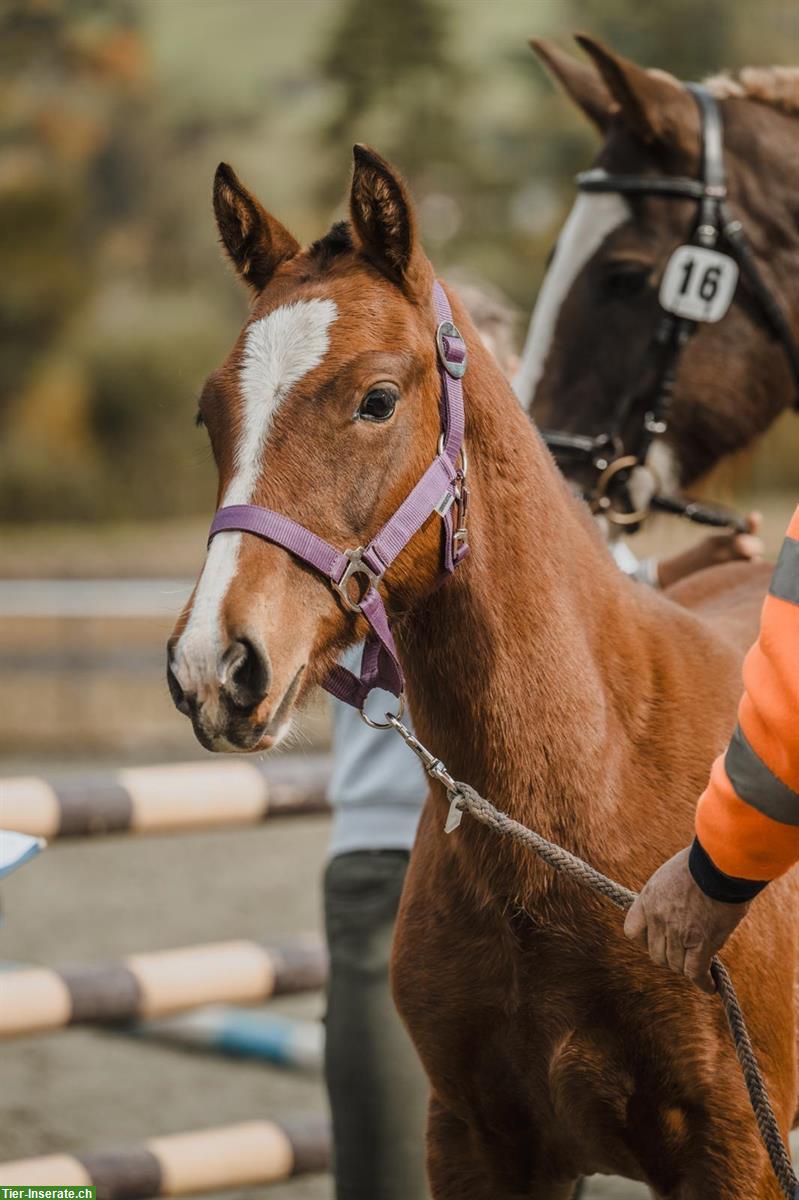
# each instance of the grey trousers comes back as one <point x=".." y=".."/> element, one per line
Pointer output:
<point x="378" y="1091"/>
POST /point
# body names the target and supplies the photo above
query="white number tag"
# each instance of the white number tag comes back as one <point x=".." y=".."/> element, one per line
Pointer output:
<point x="698" y="283"/>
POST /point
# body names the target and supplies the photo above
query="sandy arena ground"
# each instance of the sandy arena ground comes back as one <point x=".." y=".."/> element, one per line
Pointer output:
<point x="77" y="1090"/>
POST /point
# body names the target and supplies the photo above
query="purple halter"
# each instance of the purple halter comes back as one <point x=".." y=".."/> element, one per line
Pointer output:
<point x="441" y="489"/>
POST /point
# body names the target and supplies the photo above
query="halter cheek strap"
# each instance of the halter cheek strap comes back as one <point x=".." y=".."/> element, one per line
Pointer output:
<point x="441" y="489"/>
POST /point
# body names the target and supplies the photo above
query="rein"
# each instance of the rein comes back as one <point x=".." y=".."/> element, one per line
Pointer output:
<point x="698" y="286"/>
<point x="463" y="798"/>
<point x="441" y="489"/>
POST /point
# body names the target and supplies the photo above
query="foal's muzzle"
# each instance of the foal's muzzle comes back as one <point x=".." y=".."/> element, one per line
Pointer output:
<point x="223" y="710"/>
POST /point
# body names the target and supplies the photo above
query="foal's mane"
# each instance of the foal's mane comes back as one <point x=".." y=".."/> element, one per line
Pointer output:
<point x="338" y="240"/>
<point x="775" y="86"/>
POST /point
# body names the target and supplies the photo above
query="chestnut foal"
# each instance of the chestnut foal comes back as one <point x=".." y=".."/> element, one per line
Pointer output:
<point x="583" y="704"/>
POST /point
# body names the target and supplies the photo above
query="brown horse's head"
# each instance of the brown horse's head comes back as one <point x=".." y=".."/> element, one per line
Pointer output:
<point x="326" y="409"/>
<point x="591" y="338"/>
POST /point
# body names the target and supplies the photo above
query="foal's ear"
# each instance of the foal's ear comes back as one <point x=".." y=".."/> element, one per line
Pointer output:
<point x="255" y="242"/>
<point x="383" y="219"/>
<point x="581" y="81"/>
<point x="653" y="105"/>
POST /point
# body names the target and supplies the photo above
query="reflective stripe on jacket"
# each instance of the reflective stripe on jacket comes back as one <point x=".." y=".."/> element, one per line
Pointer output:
<point x="747" y="821"/>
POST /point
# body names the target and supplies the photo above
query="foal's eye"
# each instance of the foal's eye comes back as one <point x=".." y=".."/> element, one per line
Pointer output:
<point x="378" y="404"/>
<point x="625" y="280"/>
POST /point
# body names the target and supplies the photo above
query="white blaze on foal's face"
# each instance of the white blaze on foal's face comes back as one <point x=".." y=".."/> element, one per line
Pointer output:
<point x="279" y="349"/>
<point x="590" y="221"/>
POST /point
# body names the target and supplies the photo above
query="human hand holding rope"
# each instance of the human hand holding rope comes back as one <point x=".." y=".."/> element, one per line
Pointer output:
<point x="678" y="925"/>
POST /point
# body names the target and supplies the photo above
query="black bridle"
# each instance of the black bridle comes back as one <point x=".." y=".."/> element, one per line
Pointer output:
<point x="613" y="460"/>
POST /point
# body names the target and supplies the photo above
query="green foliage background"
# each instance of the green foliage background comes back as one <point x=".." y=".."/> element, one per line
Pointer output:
<point x="114" y="302"/>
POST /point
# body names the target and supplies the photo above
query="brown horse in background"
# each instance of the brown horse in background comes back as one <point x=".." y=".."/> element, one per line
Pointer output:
<point x="590" y="338"/>
<point x="583" y="704"/>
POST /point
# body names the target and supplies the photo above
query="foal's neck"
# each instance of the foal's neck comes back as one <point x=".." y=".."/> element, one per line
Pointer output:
<point x="516" y="671"/>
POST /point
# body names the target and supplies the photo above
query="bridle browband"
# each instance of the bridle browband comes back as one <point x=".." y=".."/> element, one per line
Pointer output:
<point x="441" y="489"/>
<point x="612" y="459"/>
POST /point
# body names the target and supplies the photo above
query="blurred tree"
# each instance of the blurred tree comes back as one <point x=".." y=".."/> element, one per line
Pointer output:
<point x="393" y="80"/>
<point x="113" y="114"/>
<point x="79" y="222"/>
<point x="73" y="85"/>
<point x="397" y="79"/>
<point x="690" y="38"/>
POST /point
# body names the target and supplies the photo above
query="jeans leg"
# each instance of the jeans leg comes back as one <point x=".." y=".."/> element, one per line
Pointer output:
<point x="377" y="1088"/>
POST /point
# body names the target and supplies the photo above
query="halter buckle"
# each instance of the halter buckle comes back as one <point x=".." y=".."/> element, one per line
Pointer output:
<point x="457" y="501"/>
<point x="460" y="534"/>
<point x="355" y="566"/>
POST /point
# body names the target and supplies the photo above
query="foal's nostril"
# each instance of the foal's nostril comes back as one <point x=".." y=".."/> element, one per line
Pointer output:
<point x="244" y="673"/>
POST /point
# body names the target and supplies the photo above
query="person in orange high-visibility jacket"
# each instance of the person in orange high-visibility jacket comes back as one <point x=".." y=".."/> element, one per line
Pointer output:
<point x="747" y="819"/>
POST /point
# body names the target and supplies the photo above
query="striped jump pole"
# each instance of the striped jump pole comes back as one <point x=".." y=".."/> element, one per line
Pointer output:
<point x="145" y="986"/>
<point x="254" y="1153"/>
<point x="222" y="1029"/>
<point x="164" y="799"/>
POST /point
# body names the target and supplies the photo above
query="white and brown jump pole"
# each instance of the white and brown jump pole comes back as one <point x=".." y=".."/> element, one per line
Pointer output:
<point x="174" y="798"/>
<point x="253" y="1153"/>
<point x="143" y="986"/>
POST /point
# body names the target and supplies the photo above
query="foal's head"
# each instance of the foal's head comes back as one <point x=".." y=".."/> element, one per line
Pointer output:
<point x="591" y="339"/>
<point x="326" y="409"/>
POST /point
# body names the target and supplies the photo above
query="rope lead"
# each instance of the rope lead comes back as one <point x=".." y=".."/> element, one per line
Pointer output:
<point x="569" y="864"/>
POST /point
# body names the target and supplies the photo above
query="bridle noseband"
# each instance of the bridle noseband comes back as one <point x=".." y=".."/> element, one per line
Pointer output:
<point x="441" y="489"/>
<point x="613" y="460"/>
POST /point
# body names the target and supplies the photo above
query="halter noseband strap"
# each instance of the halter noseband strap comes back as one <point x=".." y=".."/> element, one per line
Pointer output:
<point x="441" y="489"/>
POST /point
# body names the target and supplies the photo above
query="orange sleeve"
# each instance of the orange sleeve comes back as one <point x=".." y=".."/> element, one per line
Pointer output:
<point x="747" y="820"/>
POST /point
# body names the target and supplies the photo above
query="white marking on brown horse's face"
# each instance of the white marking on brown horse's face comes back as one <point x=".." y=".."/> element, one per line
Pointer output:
<point x="591" y="219"/>
<point x="279" y="349"/>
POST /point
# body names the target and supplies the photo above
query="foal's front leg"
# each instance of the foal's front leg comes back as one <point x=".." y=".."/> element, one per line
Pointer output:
<point x="458" y="1172"/>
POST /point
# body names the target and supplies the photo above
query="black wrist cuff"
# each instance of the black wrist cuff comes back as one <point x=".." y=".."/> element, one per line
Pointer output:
<point x="715" y="884"/>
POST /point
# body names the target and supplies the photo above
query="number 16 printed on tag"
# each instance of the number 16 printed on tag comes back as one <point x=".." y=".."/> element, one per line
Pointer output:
<point x="698" y="283"/>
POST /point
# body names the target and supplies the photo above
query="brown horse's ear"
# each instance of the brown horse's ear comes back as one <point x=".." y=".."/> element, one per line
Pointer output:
<point x="255" y="242"/>
<point x="383" y="219"/>
<point x="581" y="81"/>
<point x="653" y="105"/>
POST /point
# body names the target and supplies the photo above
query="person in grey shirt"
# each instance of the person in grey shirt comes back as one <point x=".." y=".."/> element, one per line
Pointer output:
<point x="377" y="784"/>
<point x="375" y="1082"/>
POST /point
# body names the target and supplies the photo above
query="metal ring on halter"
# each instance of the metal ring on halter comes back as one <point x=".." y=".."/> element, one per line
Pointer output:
<point x="602" y="502"/>
<point x="388" y="724"/>
<point x="355" y="566"/>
